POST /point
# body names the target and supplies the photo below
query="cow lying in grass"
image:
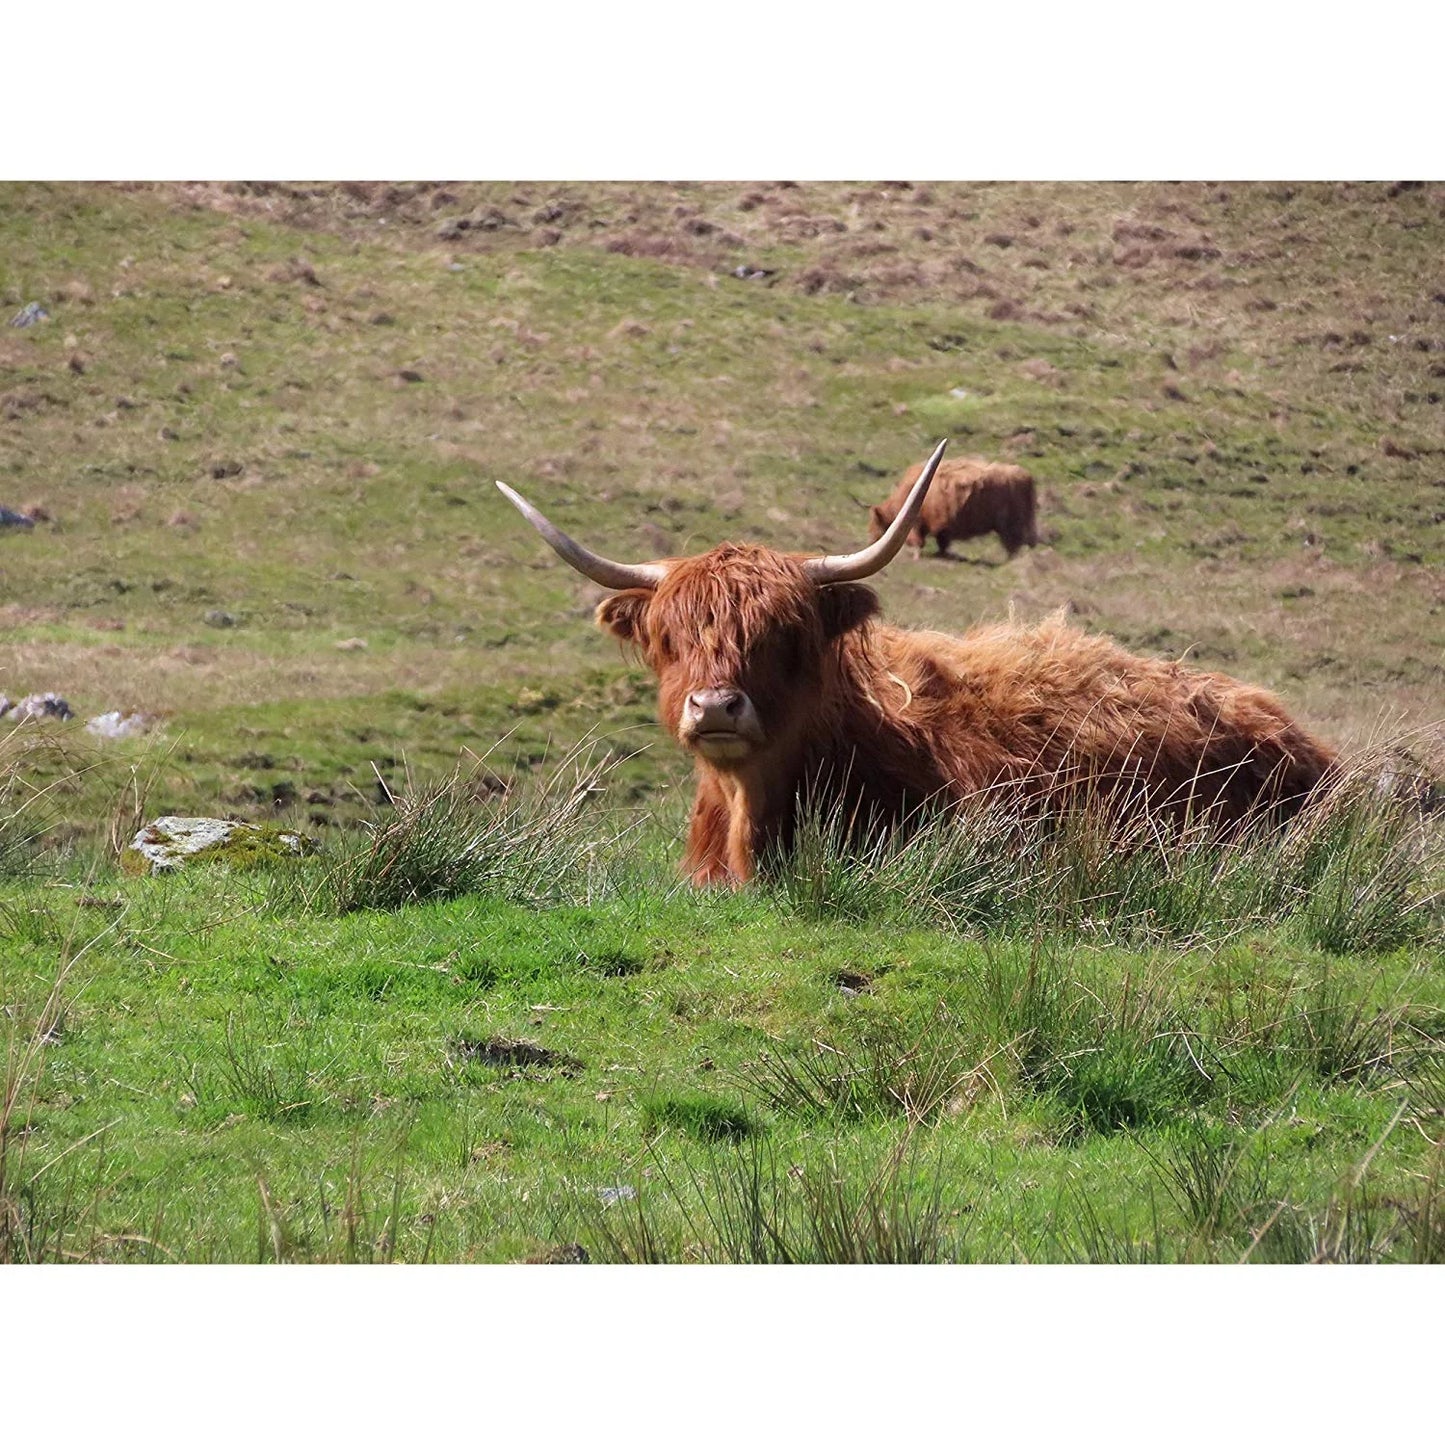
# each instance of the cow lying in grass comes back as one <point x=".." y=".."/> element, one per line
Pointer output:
<point x="775" y="673"/>
<point x="969" y="498"/>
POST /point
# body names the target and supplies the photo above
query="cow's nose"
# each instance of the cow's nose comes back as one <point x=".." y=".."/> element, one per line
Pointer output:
<point x="715" y="709"/>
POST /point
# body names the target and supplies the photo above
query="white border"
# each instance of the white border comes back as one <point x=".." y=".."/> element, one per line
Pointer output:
<point x="642" y="89"/>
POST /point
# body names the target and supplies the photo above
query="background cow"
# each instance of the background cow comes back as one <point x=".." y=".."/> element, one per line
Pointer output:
<point x="775" y="674"/>
<point x="970" y="497"/>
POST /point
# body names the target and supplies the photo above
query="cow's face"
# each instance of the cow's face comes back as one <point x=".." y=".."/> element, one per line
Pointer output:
<point x="740" y="639"/>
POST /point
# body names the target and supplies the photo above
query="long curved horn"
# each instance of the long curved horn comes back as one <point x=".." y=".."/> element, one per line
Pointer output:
<point x="610" y="574"/>
<point x="857" y="565"/>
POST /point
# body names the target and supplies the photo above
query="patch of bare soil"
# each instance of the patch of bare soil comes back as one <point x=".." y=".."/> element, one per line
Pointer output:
<point x="515" y="1055"/>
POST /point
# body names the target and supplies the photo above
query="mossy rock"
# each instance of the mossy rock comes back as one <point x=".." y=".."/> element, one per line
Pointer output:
<point x="170" y="843"/>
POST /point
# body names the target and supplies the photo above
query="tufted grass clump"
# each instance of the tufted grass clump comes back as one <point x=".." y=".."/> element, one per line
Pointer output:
<point x="756" y="1205"/>
<point x="24" y="804"/>
<point x="1107" y="1053"/>
<point x="1217" y="1179"/>
<point x="532" y="843"/>
<point x="268" y="1064"/>
<point x="952" y="867"/>
<point x="1367" y="869"/>
<point x="1360" y="871"/>
<point x="876" y="1068"/>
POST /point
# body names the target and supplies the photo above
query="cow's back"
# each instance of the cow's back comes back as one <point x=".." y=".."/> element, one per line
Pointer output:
<point x="1050" y="705"/>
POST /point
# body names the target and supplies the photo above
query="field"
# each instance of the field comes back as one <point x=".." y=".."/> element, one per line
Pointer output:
<point x="257" y="434"/>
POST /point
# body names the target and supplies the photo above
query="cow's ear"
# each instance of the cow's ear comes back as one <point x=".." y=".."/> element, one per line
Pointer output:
<point x="622" y="615"/>
<point x="846" y="605"/>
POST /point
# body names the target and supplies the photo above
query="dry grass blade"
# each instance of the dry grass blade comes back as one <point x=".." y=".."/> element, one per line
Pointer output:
<point x="744" y="1206"/>
<point x="443" y="840"/>
<point x="22" y="1209"/>
<point x="1362" y="870"/>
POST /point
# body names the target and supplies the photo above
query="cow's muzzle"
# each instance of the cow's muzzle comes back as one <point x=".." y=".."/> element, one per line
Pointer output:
<point x="720" y="723"/>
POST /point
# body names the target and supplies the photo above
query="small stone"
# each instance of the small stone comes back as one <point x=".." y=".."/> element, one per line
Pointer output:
<point x="217" y="617"/>
<point x="562" y="1254"/>
<point x="38" y="707"/>
<point x="120" y="725"/>
<point x="352" y="644"/>
<point x="170" y="842"/>
<point x="29" y="314"/>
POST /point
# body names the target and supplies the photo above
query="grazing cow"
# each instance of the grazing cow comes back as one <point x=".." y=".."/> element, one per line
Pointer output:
<point x="775" y="674"/>
<point x="969" y="497"/>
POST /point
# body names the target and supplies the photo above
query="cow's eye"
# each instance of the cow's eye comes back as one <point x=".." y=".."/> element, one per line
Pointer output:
<point x="664" y="645"/>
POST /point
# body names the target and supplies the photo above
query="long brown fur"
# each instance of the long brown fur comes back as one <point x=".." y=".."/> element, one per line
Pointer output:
<point x="883" y="720"/>
<point x="970" y="497"/>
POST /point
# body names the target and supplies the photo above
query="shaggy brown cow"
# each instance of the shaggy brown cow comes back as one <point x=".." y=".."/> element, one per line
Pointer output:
<point x="970" y="497"/>
<point x="776" y="675"/>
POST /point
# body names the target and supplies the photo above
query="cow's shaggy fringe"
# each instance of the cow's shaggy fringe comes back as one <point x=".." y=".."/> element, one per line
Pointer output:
<point x="1361" y="871"/>
<point x="532" y="843"/>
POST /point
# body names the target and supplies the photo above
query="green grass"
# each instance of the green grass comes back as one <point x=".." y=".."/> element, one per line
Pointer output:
<point x="486" y="1021"/>
<point x="232" y="1065"/>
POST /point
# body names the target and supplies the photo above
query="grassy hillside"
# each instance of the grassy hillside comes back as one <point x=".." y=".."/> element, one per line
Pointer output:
<point x="1228" y="395"/>
<point x="258" y="433"/>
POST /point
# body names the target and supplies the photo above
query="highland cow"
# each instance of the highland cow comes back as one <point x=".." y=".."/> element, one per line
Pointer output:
<point x="775" y="673"/>
<point x="969" y="497"/>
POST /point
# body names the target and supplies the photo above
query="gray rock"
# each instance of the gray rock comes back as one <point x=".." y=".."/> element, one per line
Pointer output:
<point x="170" y="842"/>
<point x="120" y="725"/>
<point x="38" y="706"/>
<point x="9" y="518"/>
<point x="29" y="314"/>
